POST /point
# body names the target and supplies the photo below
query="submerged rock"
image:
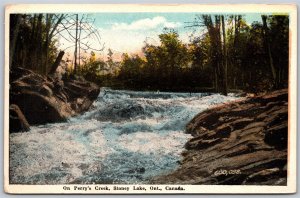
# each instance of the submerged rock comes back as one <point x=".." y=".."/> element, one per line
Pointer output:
<point x="136" y="170"/>
<point x="242" y="142"/>
<point x="43" y="99"/>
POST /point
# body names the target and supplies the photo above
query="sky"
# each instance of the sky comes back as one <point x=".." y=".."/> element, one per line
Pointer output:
<point x="127" y="32"/>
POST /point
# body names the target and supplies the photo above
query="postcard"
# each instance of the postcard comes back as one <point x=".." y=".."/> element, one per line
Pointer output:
<point x="150" y="99"/>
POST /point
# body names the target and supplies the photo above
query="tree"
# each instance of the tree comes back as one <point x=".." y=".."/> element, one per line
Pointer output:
<point x="166" y="61"/>
<point x="110" y="61"/>
<point x="217" y="51"/>
<point x="237" y="38"/>
<point x="31" y="37"/>
<point x="92" y="68"/>
<point x="131" y="69"/>
<point x="201" y="71"/>
<point x="279" y="44"/>
<point x="225" y="61"/>
<point x="52" y="22"/>
<point x="15" y="22"/>
<point x="268" y="48"/>
<point x="81" y="31"/>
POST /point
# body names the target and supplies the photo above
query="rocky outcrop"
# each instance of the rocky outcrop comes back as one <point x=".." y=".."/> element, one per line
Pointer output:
<point x="17" y="121"/>
<point x="45" y="99"/>
<point x="243" y="142"/>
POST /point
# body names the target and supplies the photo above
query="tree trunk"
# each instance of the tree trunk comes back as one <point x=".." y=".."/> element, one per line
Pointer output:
<point x="49" y="35"/>
<point x="218" y="57"/>
<point x="225" y="88"/>
<point x="212" y="31"/>
<point x="216" y="47"/>
<point x="14" y="40"/>
<point x="268" y="48"/>
<point x="76" y="44"/>
<point x="79" y="47"/>
<point x="38" y="50"/>
<point x="57" y="62"/>
<point x="47" y="42"/>
<point x="33" y="40"/>
<point x="56" y="25"/>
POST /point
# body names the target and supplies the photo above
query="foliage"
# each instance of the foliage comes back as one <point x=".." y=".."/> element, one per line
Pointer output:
<point x="32" y="42"/>
<point x="162" y="66"/>
<point x="173" y="65"/>
<point x="252" y="57"/>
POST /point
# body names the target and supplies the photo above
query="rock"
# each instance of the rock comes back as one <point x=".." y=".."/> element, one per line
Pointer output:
<point x="18" y="72"/>
<point x="277" y="136"/>
<point x="46" y="91"/>
<point x="44" y="99"/>
<point x="81" y="94"/>
<point x="136" y="171"/>
<point x="239" y="143"/>
<point x="131" y="111"/>
<point x="40" y="109"/>
<point x="17" y="121"/>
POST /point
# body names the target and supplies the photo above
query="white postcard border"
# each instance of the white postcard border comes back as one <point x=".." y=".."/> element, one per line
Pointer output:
<point x="189" y="189"/>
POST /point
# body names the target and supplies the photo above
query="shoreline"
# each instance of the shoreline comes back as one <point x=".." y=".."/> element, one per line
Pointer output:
<point x="36" y="99"/>
<point x="236" y="143"/>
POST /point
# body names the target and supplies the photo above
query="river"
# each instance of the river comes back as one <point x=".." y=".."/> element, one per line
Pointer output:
<point x="126" y="137"/>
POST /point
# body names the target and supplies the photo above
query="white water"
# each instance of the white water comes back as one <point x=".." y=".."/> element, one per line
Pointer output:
<point x="126" y="137"/>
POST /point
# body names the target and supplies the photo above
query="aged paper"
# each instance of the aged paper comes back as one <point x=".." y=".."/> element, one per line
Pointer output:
<point x="150" y="99"/>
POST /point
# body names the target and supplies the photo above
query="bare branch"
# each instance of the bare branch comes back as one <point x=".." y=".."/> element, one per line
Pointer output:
<point x="56" y="25"/>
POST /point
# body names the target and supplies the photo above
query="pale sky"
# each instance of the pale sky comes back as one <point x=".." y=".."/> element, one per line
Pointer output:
<point x="127" y="32"/>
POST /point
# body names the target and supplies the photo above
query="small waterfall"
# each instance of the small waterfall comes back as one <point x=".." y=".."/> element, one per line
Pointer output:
<point x="126" y="137"/>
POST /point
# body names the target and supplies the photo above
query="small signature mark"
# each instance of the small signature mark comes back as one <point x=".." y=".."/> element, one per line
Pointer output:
<point x="227" y="172"/>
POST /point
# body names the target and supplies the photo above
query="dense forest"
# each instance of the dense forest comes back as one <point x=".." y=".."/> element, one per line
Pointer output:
<point x="227" y="55"/>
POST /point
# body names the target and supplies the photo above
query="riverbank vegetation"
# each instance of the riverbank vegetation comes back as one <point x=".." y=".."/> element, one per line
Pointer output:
<point x="224" y="54"/>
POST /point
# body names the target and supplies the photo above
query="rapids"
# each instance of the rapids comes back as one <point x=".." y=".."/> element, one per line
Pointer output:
<point x="126" y="137"/>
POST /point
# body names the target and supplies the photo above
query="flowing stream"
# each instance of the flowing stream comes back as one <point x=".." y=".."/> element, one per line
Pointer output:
<point x="126" y="137"/>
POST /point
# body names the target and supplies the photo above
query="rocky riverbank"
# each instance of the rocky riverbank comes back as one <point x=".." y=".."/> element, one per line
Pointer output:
<point x="37" y="99"/>
<point x="240" y="143"/>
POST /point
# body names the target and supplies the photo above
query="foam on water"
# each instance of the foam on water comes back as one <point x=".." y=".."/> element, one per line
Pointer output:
<point x="126" y="137"/>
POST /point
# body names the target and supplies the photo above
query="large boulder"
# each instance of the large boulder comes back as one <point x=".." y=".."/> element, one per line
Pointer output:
<point x="243" y="142"/>
<point x="45" y="99"/>
<point x="17" y="121"/>
<point x="81" y="94"/>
